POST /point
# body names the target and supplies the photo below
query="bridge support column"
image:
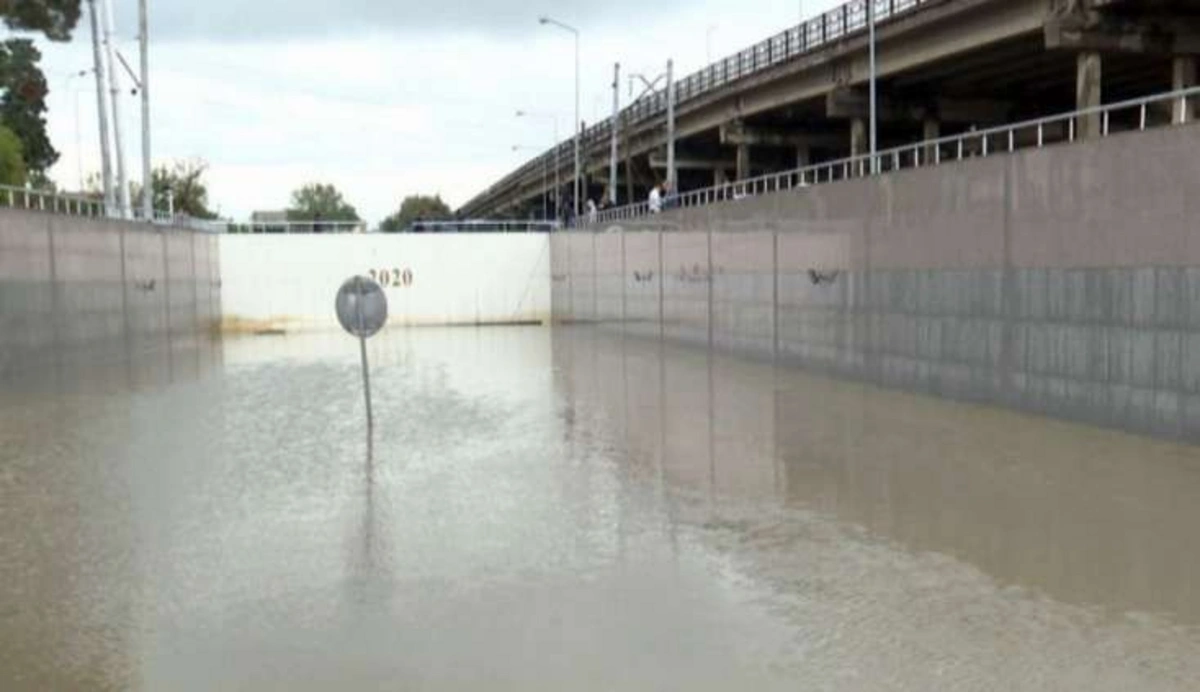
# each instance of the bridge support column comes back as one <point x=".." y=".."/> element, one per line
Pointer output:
<point x="803" y="155"/>
<point x="858" y="137"/>
<point x="1088" y="92"/>
<point x="1183" y="76"/>
<point x="931" y="129"/>
<point x="743" y="161"/>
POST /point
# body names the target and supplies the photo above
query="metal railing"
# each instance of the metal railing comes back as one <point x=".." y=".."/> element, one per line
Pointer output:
<point x="52" y="202"/>
<point x="48" y="201"/>
<point x="835" y="25"/>
<point x="1135" y="114"/>
<point x="483" y="226"/>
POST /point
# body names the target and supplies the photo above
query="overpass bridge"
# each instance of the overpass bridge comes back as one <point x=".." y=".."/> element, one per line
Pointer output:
<point x="944" y="67"/>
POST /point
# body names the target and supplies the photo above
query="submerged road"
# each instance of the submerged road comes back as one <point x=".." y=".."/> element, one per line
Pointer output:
<point x="571" y="510"/>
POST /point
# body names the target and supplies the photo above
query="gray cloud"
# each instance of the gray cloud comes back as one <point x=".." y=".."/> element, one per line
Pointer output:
<point x="259" y="20"/>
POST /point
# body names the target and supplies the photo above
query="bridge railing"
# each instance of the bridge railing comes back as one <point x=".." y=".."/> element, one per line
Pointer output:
<point x="483" y="226"/>
<point x="55" y="202"/>
<point x="814" y="34"/>
<point x="1135" y="114"/>
<point x="52" y="202"/>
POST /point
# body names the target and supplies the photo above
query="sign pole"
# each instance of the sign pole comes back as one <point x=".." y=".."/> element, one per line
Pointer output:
<point x="362" y="346"/>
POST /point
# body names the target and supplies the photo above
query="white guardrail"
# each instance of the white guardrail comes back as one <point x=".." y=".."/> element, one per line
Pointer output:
<point x="1164" y="109"/>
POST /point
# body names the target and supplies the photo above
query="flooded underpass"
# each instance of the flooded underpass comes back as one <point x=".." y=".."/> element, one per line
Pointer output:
<point x="566" y="509"/>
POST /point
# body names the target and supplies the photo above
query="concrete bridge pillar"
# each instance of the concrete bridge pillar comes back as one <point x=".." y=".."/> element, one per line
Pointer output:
<point x="931" y="129"/>
<point x="743" y="161"/>
<point x="858" y="137"/>
<point x="803" y="155"/>
<point x="1088" y="92"/>
<point x="1183" y="76"/>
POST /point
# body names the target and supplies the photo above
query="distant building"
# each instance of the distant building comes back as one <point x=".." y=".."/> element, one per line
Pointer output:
<point x="269" y="221"/>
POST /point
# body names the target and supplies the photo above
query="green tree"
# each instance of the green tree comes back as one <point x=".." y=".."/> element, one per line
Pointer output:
<point x="320" y="202"/>
<point x="22" y="85"/>
<point x="416" y="208"/>
<point x="23" y="101"/>
<point x="183" y="178"/>
<point x="55" y="18"/>
<point x="12" y="162"/>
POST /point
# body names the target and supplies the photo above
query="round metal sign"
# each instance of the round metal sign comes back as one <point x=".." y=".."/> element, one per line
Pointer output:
<point x="361" y="307"/>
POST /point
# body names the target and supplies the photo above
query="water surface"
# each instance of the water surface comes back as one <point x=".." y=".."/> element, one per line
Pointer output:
<point x="572" y="510"/>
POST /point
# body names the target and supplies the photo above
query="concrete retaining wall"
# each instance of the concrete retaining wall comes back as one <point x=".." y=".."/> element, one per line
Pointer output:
<point x="74" y="288"/>
<point x="288" y="282"/>
<point x="1064" y="280"/>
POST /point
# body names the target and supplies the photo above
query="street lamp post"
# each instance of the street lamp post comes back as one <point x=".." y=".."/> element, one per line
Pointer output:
<point x="575" y="128"/>
<point x="518" y="147"/>
<point x="557" y="164"/>
<point x="78" y="133"/>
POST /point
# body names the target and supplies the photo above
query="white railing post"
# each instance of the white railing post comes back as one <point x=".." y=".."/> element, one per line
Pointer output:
<point x="1041" y="134"/>
<point x="1142" y="118"/>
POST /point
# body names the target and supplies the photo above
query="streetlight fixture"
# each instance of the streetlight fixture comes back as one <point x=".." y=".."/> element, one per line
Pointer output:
<point x="548" y="21"/>
<point x="557" y="165"/>
<point x="78" y="134"/>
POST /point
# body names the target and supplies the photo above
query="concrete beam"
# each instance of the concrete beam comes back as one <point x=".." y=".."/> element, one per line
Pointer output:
<point x="736" y="133"/>
<point x="855" y="103"/>
<point x="846" y="102"/>
<point x="1112" y="36"/>
<point x="658" y="161"/>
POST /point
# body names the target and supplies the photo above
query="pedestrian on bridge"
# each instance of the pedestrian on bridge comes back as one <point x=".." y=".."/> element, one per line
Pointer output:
<point x="656" y="198"/>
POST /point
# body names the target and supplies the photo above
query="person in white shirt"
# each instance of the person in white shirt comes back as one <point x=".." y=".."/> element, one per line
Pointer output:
<point x="591" y="211"/>
<point x="656" y="199"/>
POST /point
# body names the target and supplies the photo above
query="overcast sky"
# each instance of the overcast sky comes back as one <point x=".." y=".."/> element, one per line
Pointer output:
<point x="383" y="98"/>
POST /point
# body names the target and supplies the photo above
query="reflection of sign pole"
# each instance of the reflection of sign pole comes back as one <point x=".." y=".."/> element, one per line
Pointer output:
<point x="362" y="311"/>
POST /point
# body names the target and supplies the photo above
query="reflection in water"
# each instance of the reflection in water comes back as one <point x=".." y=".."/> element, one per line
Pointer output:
<point x="931" y="534"/>
<point x="65" y="509"/>
<point x="568" y="510"/>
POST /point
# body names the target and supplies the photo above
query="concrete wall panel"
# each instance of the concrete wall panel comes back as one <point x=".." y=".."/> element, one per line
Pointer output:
<point x="1064" y="280"/>
<point x="76" y="290"/>
<point x="288" y="282"/>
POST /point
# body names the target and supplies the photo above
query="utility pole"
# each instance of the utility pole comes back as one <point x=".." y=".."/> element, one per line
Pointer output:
<point x="147" y="173"/>
<point x="114" y="82"/>
<point x="106" y="172"/>
<point x="614" y="128"/>
<point x="671" y="125"/>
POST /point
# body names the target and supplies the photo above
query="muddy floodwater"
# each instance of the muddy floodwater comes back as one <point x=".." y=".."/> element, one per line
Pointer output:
<point x="571" y="510"/>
